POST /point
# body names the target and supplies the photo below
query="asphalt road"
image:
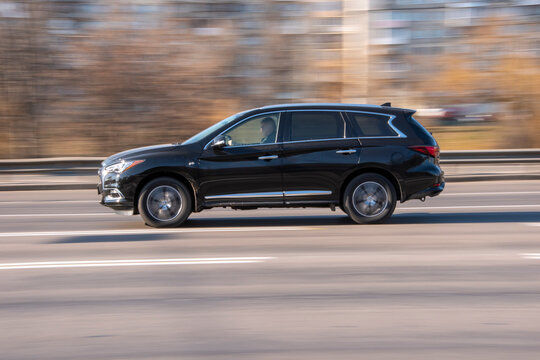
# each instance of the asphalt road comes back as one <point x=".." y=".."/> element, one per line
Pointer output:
<point x="455" y="277"/>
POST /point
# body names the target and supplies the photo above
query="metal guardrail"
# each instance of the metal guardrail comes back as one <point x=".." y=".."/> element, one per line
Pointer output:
<point x="490" y="156"/>
<point x="89" y="165"/>
<point x="71" y="165"/>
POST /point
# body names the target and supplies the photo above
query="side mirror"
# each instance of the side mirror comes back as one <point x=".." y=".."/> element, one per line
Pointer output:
<point x="219" y="142"/>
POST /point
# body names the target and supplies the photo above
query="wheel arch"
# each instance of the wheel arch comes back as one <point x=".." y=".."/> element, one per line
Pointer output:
<point x="376" y="170"/>
<point x="170" y="174"/>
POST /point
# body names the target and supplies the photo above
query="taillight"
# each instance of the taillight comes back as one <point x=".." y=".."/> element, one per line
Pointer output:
<point x="426" y="150"/>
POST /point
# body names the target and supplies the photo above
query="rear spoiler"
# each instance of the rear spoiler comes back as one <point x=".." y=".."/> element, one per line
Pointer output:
<point x="406" y="112"/>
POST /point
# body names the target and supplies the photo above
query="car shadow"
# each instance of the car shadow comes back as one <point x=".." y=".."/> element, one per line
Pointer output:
<point x="342" y="219"/>
<point x="112" y="238"/>
<point x="318" y="220"/>
<point x="269" y="221"/>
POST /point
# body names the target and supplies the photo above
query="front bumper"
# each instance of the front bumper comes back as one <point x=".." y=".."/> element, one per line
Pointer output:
<point x="114" y="199"/>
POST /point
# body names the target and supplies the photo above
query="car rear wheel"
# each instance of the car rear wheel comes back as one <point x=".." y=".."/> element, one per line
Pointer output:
<point x="370" y="198"/>
<point x="164" y="202"/>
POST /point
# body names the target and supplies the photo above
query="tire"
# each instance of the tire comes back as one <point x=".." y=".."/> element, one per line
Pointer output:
<point x="370" y="198"/>
<point x="165" y="202"/>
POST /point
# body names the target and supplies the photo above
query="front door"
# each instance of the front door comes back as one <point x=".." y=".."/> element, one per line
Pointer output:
<point x="248" y="169"/>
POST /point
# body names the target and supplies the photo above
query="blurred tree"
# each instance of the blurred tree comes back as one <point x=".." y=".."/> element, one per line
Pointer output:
<point x="90" y="77"/>
<point x="94" y="86"/>
<point x="144" y="86"/>
<point x="21" y="70"/>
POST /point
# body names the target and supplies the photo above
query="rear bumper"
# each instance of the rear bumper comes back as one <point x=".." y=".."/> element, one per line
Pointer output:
<point x="429" y="192"/>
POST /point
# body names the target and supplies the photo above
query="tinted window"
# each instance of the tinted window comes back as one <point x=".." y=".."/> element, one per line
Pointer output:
<point x="421" y="132"/>
<point x="312" y="125"/>
<point x="257" y="130"/>
<point x="371" y="124"/>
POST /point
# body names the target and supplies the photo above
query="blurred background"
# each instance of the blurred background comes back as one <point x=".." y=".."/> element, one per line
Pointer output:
<point x="92" y="77"/>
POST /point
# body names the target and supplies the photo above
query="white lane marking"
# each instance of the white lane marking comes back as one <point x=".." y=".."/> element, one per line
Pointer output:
<point x="136" y="262"/>
<point x="532" y="224"/>
<point x="151" y="232"/>
<point x="532" y="256"/>
<point x="470" y="207"/>
<point x="492" y="193"/>
<point x="59" y="215"/>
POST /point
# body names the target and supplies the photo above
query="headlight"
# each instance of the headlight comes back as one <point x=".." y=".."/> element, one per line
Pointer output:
<point x="121" y="166"/>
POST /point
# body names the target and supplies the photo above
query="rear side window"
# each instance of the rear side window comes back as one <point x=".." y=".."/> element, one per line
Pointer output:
<point x="421" y="131"/>
<point x="371" y="124"/>
<point x="313" y="125"/>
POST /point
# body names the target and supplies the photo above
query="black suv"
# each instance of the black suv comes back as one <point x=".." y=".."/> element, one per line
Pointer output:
<point x="362" y="158"/>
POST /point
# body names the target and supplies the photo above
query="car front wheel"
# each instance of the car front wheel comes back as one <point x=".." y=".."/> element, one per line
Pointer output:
<point x="370" y="198"/>
<point x="164" y="202"/>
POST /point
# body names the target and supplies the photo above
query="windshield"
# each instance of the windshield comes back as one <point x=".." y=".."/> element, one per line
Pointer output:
<point x="211" y="129"/>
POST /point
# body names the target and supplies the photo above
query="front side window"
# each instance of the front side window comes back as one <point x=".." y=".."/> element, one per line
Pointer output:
<point x="314" y="125"/>
<point x="371" y="124"/>
<point x="257" y="130"/>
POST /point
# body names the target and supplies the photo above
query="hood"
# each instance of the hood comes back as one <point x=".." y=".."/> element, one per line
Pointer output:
<point x="138" y="152"/>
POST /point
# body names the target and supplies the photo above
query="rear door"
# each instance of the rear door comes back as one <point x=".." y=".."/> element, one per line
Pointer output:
<point x="318" y="153"/>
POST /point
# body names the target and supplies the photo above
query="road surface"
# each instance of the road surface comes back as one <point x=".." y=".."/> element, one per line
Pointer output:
<point x="455" y="277"/>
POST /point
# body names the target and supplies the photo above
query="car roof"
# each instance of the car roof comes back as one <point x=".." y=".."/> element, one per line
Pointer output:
<point x="333" y="106"/>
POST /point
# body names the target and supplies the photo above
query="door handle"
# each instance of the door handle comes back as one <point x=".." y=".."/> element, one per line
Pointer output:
<point x="346" y="152"/>
<point x="268" y="157"/>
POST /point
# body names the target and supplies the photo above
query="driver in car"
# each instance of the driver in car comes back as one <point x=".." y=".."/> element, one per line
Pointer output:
<point x="268" y="130"/>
